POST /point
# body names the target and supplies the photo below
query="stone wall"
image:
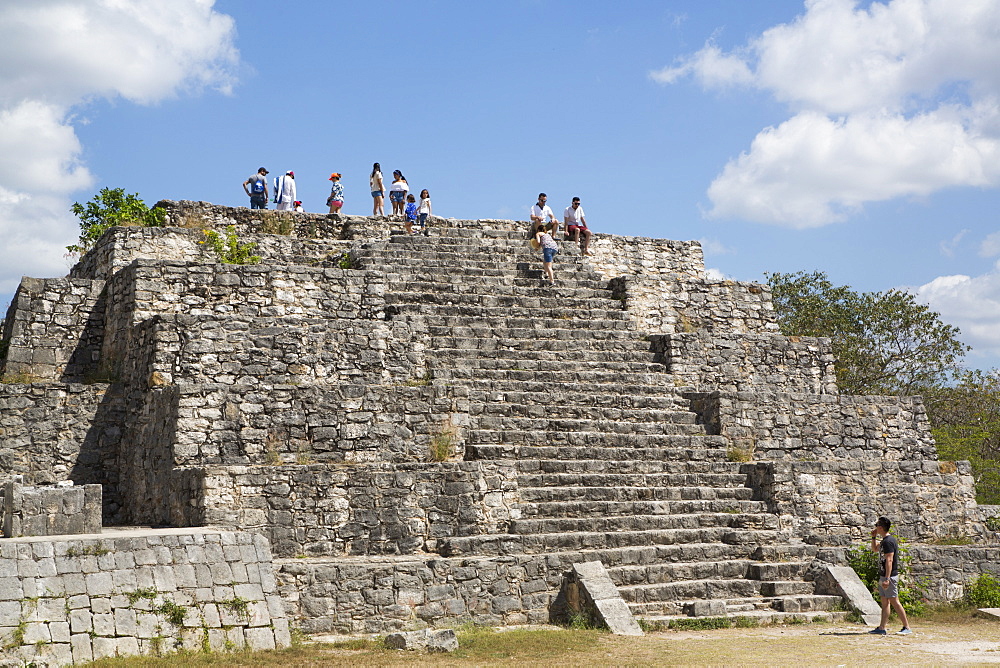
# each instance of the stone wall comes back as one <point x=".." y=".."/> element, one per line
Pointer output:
<point x="748" y="362"/>
<point x="240" y="425"/>
<point x="121" y="245"/>
<point x="146" y="288"/>
<point x="837" y="502"/>
<point x="641" y="256"/>
<point x="785" y="425"/>
<point x="668" y="304"/>
<point x="144" y="592"/>
<point x="53" y="330"/>
<point x="240" y="350"/>
<point x="352" y="509"/>
<point x="390" y="593"/>
<point x="60" y="431"/>
<point x="50" y="511"/>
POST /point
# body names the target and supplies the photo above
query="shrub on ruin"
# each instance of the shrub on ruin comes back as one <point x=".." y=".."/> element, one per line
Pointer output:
<point x="112" y="208"/>
<point x="983" y="592"/>
<point x="228" y="247"/>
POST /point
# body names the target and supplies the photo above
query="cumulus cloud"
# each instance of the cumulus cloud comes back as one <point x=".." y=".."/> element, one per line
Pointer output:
<point x="895" y="99"/>
<point x="970" y="303"/>
<point x="59" y="54"/>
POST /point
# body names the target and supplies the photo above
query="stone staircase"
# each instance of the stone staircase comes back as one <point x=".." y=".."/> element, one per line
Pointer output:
<point x="611" y="461"/>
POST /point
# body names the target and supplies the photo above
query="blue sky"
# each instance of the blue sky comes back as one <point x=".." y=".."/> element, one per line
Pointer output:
<point x="856" y="138"/>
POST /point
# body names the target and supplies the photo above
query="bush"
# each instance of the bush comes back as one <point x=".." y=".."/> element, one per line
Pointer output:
<point x="110" y="208"/>
<point x="983" y="592"/>
<point x="228" y="248"/>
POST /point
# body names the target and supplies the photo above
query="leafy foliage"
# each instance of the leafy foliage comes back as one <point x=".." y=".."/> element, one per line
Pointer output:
<point x="228" y="248"/>
<point x="983" y="592"/>
<point x="884" y="342"/>
<point x="965" y="419"/>
<point x="110" y="208"/>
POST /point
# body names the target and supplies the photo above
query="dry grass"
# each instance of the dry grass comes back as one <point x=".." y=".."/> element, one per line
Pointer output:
<point x="944" y="638"/>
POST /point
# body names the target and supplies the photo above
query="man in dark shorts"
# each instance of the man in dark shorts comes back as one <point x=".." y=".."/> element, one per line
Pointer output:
<point x="888" y="576"/>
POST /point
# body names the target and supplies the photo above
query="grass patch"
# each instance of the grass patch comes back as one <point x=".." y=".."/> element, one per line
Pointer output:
<point x="951" y="540"/>
<point x="486" y="644"/>
<point x="20" y="378"/>
<point x="701" y="623"/>
<point x="442" y="444"/>
<point x="736" y="453"/>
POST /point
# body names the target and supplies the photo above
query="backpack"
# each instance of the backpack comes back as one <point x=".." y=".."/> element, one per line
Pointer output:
<point x="259" y="185"/>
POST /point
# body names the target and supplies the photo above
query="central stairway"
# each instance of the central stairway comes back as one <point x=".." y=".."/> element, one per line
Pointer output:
<point x="612" y="463"/>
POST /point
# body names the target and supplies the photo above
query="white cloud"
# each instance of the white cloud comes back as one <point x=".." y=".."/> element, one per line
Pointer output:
<point x="970" y="303"/>
<point x="990" y="247"/>
<point x="897" y="99"/>
<point x="715" y="247"/>
<point x="948" y="247"/>
<point x="57" y="54"/>
<point x="711" y="67"/>
<point x="813" y="170"/>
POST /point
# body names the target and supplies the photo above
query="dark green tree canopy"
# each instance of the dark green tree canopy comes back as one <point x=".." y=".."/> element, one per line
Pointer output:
<point x="885" y="342"/>
<point x="109" y="208"/>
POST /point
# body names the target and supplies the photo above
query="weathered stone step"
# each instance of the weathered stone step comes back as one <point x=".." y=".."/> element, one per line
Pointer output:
<point x="779" y="570"/>
<point x="582" y="397"/>
<point x="667" y="486"/>
<point x="805" y="603"/>
<point x="618" y="523"/>
<point x="594" y="439"/>
<point x="682" y="423"/>
<point x="574" y="412"/>
<point x="767" y="617"/>
<point x="541" y="300"/>
<point x="448" y="284"/>
<point x="786" y="588"/>
<point x="491" y="265"/>
<point x="544" y="323"/>
<point x="474" y="451"/>
<point x="548" y="366"/>
<point x="494" y="279"/>
<point x="612" y="378"/>
<point x="469" y="328"/>
<point x="718" y="567"/>
<point x="624" y="344"/>
<point x="706" y="588"/>
<point x="785" y="552"/>
<point x="545" y="356"/>
<point x="605" y="501"/>
<point x="689" y="473"/>
<point x="510" y="544"/>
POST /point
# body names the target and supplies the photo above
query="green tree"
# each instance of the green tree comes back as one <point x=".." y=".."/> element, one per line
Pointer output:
<point x="109" y="208"/>
<point x="965" y="419"/>
<point x="884" y="342"/>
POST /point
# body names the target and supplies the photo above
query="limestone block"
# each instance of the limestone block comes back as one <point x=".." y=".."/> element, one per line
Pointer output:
<point x="843" y="581"/>
<point x="431" y="640"/>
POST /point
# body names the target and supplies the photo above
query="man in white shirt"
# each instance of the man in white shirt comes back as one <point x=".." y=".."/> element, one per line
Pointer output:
<point x="576" y="225"/>
<point x="284" y="191"/>
<point x="540" y="213"/>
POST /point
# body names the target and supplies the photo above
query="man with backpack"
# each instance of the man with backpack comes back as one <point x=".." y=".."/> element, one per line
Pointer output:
<point x="256" y="188"/>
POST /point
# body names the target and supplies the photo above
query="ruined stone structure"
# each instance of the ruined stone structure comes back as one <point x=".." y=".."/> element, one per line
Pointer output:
<point x="425" y="433"/>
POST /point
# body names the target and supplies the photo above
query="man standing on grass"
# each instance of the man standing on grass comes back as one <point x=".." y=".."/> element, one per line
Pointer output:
<point x="888" y="576"/>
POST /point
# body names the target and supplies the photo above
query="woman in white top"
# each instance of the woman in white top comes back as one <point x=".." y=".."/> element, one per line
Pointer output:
<point x="397" y="192"/>
<point x="378" y="190"/>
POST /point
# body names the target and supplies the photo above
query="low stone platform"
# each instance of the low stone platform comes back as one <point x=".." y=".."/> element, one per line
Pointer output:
<point x="70" y="599"/>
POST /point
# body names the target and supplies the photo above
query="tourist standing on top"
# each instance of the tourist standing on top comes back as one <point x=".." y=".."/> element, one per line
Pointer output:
<point x="378" y="190"/>
<point x="256" y="188"/>
<point x="336" y="198"/>
<point x="888" y="576"/>
<point x="540" y="213"/>
<point x="576" y="225"/>
<point x="424" y="211"/>
<point x="397" y="192"/>
<point x="284" y="191"/>
<point x="549" y="250"/>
